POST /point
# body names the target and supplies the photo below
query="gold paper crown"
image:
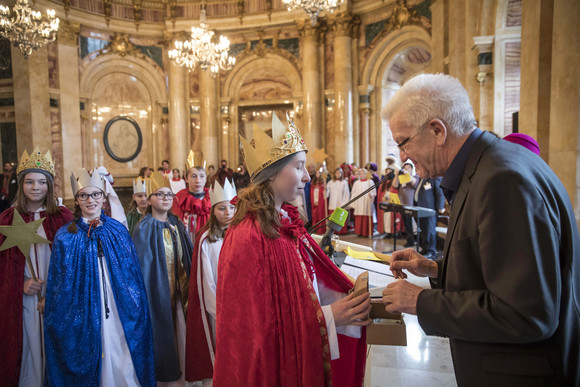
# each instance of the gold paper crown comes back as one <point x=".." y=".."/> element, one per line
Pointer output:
<point x="84" y="179"/>
<point x="194" y="159"/>
<point x="36" y="161"/>
<point x="139" y="186"/>
<point x="156" y="181"/>
<point x="219" y="194"/>
<point x="285" y="141"/>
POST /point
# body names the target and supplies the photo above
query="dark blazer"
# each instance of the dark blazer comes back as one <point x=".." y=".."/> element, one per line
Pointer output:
<point x="509" y="297"/>
<point x="433" y="197"/>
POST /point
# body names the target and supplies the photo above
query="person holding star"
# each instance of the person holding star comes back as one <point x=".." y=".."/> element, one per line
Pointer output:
<point x="35" y="216"/>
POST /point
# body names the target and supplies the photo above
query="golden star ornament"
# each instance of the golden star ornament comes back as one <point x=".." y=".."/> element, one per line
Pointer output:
<point x="21" y="234"/>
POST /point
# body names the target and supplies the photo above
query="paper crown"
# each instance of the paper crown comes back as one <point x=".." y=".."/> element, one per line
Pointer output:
<point x="36" y="161"/>
<point x="139" y="186"/>
<point x="84" y="179"/>
<point x="156" y="181"/>
<point x="219" y="194"/>
<point x="285" y="141"/>
<point x="194" y="159"/>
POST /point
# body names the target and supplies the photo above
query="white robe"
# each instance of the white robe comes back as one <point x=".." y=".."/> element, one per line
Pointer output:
<point x="32" y="369"/>
<point x="364" y="205"/>
<point x="337" y="193"/>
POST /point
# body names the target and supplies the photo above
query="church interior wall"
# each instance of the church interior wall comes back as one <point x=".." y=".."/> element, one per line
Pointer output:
<point x="498" y="49"/>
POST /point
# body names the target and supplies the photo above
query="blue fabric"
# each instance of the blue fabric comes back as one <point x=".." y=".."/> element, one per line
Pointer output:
<point x="452" y="178"/>
<point x="148" y="238"/>
<point x="72" y="317"/>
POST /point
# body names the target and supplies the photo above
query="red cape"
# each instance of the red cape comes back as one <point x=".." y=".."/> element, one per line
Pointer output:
<point x="318" y="211"/>
<point x="186" y="204"/>
<point x="12" y="264"/>
<point x="198" y="347"/>
<point x="270" y="326"/>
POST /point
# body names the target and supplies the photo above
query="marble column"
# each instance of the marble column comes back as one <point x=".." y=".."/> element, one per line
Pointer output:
<point x="69" y="102"/>
<point x="342" y="136"/>
<point x="438" y="53"/>
<point x="312" y="129"/>
<point x="483" y="46"/>
<point x="178" y="116"/>
<point x="209" y="119"/>
<point x="536" y="72"/>
<point x="565" y="98"/>
<point x="364" y="118"/>
<point x="31" y="99"/>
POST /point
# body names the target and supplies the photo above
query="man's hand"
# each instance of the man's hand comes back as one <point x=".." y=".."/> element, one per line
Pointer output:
<point x="31" y="287"/>
<point x="414" y="262"/>
<point x="352" y="311"/>
<point x="401" y="296"/>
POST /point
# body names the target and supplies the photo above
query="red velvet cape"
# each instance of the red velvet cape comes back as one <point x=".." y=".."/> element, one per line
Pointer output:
<point x="270" y="327"/>
<point x="318" y="211"/>
<point x="185" y="204"/>
<point x="198" y="362"/>
<point x="12" y="264"/>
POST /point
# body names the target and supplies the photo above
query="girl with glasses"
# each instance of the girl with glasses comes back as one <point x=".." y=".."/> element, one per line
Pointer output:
<point x="97" y="325"/>
<point x="164" y="250"/>
<point x="23" y="287"/>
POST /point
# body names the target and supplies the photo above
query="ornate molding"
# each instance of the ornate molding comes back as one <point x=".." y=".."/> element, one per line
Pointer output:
<point x="308" y="32"/>
<point x="68" y="33"/>
<point x="345" y="24"/>
<point x="120" y="45"/>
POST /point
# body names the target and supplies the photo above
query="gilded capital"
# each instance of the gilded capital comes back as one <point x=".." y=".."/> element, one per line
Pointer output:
<point x="345" y="24"/>
<point x="68" y="33"/>
<point x="308" y="32"/>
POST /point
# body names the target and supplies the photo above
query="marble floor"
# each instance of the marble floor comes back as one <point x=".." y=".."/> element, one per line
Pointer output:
<point x="425" y="361"/>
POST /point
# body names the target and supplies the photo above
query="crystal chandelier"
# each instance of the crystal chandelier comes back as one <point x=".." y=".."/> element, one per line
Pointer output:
<point x="26" y="28"/>
<point x="313" y="7"/>
<point x="201" y="51"/>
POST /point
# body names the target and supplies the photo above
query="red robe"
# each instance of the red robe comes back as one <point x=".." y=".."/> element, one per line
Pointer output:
<point x="270" y="327"/>
<point x="185" y="205"/>
<point x="198" y="361"/>
<point x="318" y="210"/>
<point x="12" y="264"/>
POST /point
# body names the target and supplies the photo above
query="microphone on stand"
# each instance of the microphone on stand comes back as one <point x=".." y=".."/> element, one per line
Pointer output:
<point x="335" y="223"/>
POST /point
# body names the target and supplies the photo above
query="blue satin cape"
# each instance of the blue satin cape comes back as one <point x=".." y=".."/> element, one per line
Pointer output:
<point x="72" y="317"/>
<point x="148" y="238"/>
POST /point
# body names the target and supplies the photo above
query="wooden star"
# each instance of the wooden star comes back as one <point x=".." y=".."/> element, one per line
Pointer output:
<point x="21" y="234"/>
<point x="318" y="156"/>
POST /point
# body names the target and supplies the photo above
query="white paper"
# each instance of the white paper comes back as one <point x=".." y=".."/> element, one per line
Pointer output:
<point x="368" y="265"/>
<point x="375" y="279"/>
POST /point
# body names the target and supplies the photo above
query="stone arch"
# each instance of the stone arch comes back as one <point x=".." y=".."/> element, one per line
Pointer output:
<point x="134" y="75"/>
<point x="235" y="80"/>
<point x="378" y="65"/>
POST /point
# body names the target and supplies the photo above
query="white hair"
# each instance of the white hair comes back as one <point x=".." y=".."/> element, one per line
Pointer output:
<point x="429" y="96"/>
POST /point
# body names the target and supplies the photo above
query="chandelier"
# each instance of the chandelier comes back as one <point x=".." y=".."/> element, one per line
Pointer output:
<point x="26" y="28"/>
<point x="313" y="7"/>
<point x="201" y="51"/>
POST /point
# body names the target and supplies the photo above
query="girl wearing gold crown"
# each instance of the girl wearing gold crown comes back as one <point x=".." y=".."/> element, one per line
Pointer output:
<point x="22" y="357"/>
<point x="164" y="251"/>
<point x="97" y="327"/>
<point x="201" y="320"/>
<point x="282" y="307"/>
<point x="192" y="205"/>
<point x="139" y="204"/>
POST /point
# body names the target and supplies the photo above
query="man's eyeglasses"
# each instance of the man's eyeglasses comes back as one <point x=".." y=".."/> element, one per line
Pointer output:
<point x="408" y="139"/>
<point x="161" y="195"/>
<point x="95" y="195"/>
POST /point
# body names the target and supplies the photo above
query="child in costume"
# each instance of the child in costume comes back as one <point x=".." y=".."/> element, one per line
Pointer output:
<point x="192" y="205"/>
<point x="164" y="250"/>
<point x="364" y="214"/>
<point x="22" y="355"/>
<point x="97" y="327"/>
<point x="201" y="321"/>
<point x="139" y="204"/>
<point x="318" y="200"/>
<point x="177" y="183"/>
<point x="338" y="194"/>
<point x="282" y="306"/>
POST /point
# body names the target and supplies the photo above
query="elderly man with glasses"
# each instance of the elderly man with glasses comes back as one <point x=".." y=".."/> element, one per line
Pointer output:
<point x="507" y="290"/>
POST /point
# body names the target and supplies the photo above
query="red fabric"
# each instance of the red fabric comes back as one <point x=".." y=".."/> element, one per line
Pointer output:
<point x="270" y="327"/>
<point x="185" y="204"/>
<point x="397" y="224"/>
<point x="318" y="211"/>
<point x="380" y="213"/>
<point x="361" y="225"/>
<point x="198" y="362"/>
<point x="12" y="264"/>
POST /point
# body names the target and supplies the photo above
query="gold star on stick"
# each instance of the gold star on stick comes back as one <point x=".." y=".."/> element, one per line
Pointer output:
<point x="22" y="235"/>
<point x="318" y="156"/>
